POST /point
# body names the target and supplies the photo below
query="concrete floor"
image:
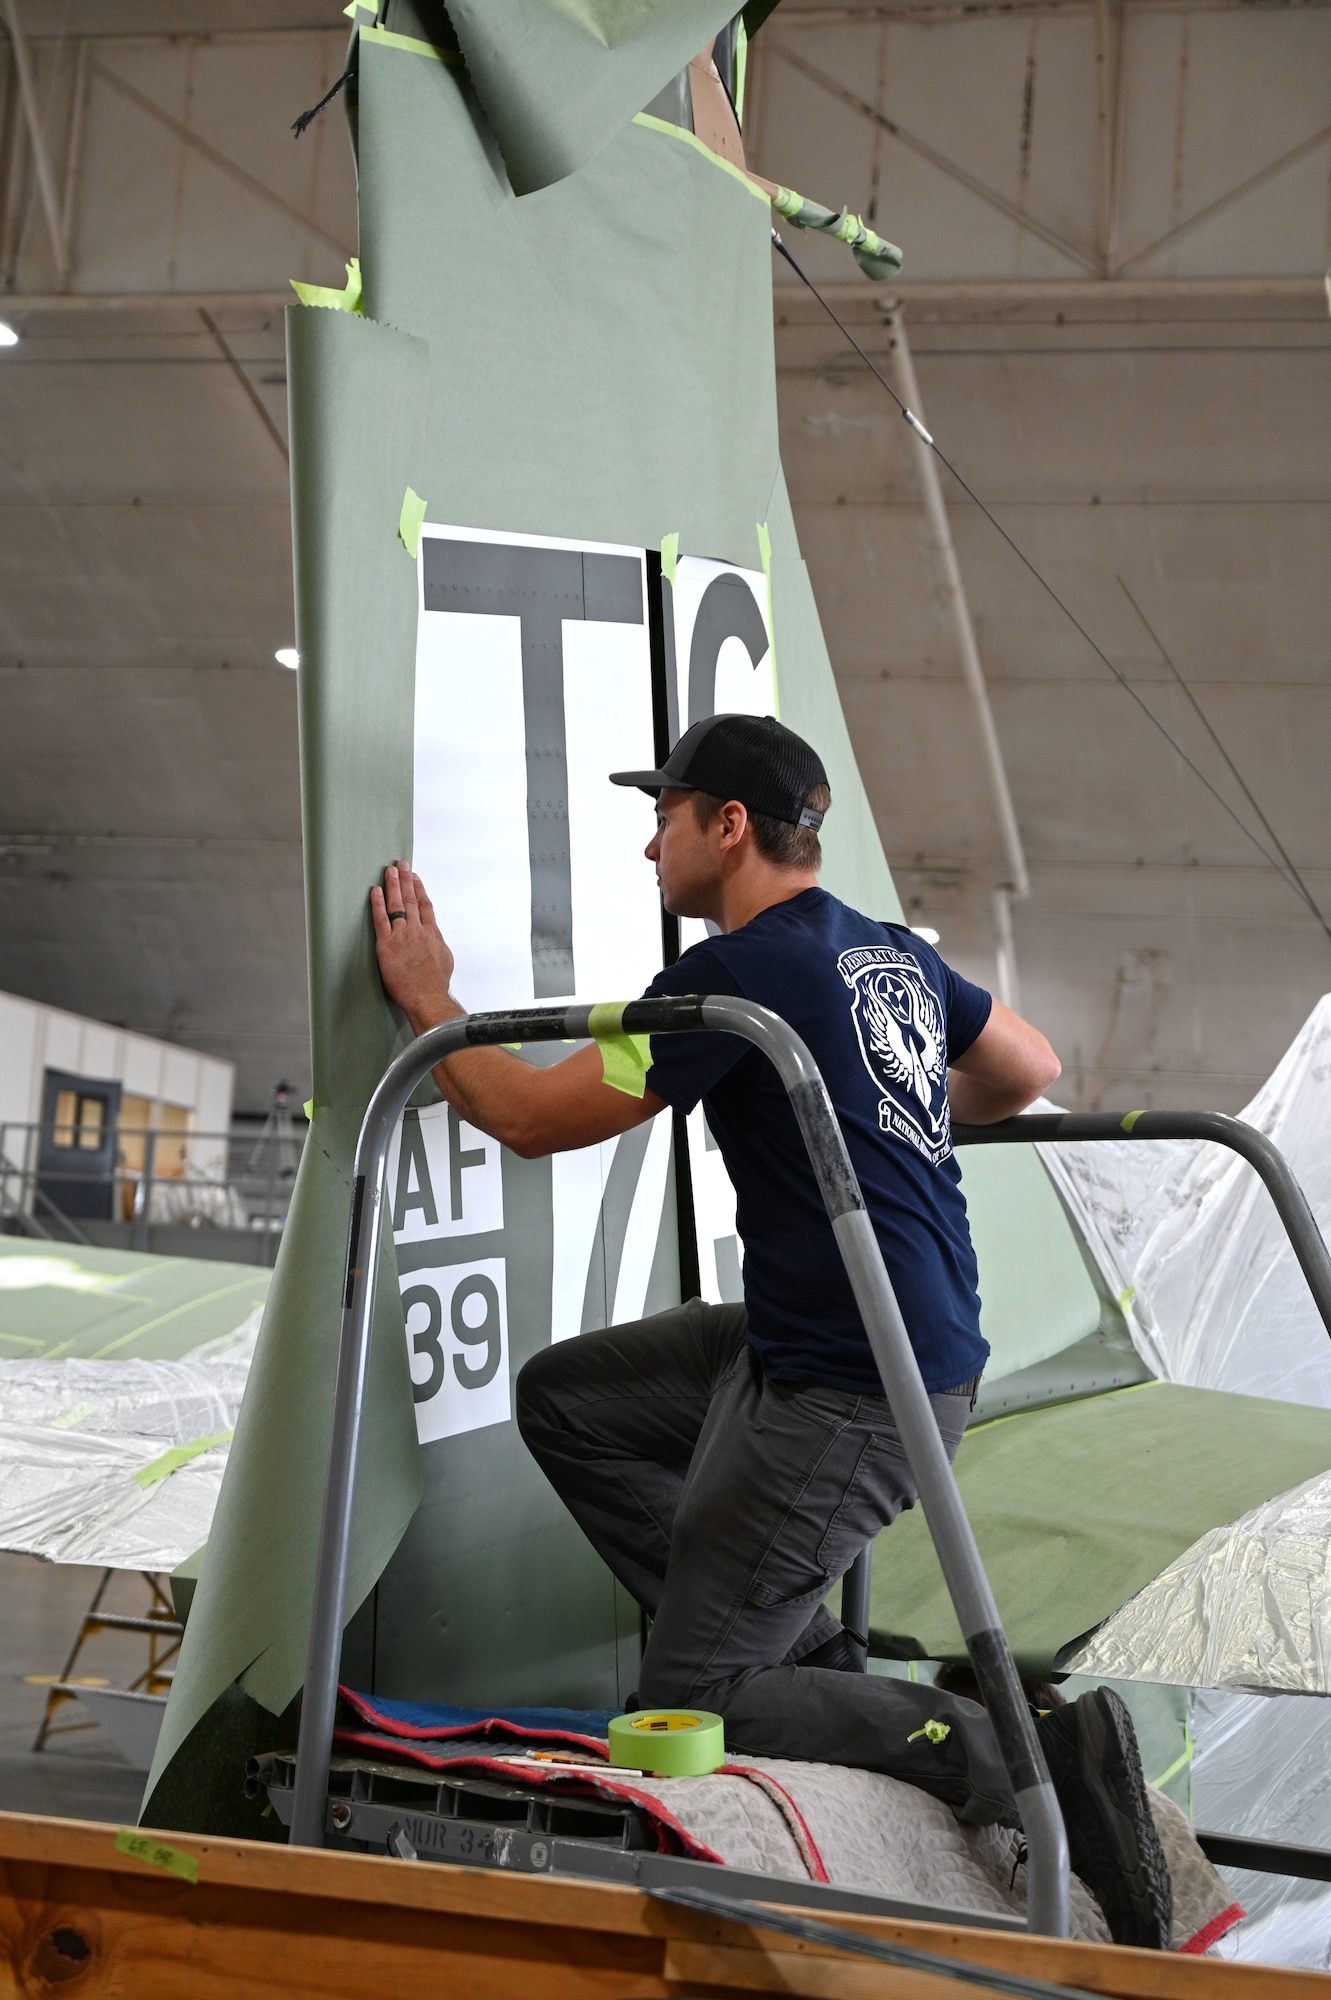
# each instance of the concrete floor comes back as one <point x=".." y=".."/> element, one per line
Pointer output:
<point x="81" y="1774"/>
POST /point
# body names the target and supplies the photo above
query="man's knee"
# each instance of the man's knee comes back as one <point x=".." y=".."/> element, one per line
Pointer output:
<point x="536" y="1393"/>
<point x="663" y="1688"/>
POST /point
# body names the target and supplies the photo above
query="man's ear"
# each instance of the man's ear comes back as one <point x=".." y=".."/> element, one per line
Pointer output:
<point x="733" y="819"/>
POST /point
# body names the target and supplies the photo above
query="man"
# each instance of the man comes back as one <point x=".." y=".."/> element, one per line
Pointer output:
<point x="730" y="1462"/>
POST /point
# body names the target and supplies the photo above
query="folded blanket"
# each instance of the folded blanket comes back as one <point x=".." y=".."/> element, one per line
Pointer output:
<point x="775" y="1816"/>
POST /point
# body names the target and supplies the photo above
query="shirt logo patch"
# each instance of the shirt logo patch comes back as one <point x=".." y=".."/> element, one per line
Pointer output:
<point x="899" y="1025"/>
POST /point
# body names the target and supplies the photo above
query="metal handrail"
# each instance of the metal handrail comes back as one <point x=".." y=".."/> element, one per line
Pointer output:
<point x="959" y="1558"/>
<point x="1291" y="1203"/>
<point x="213" y="1169"/>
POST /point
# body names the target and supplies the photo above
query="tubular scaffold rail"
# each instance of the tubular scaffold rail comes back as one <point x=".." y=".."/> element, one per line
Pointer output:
<point x="958" y="1556"/>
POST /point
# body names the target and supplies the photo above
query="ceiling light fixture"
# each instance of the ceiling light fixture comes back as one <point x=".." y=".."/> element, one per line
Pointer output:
<point x="8" y="335"/>
<point x="287" y="656"/>
<point x="926" y="931"/>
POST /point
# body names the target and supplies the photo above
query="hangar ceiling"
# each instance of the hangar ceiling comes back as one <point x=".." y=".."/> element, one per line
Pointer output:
<point x="1115" y="216"/>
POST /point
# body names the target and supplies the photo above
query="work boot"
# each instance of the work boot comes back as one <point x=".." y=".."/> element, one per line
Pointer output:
<point x="1090" y="1747"/>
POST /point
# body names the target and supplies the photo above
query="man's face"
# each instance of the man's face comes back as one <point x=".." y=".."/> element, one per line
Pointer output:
<point x="687" y="857"/>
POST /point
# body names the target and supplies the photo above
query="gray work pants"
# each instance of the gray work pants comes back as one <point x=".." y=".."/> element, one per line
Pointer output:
<point x="728" y="1505"/>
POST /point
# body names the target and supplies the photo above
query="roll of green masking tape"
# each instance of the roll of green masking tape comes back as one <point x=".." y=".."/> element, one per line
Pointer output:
<point x="673" y="1742"/>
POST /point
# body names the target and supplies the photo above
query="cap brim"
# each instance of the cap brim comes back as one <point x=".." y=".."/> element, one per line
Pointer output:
<point x="646" y="781"/>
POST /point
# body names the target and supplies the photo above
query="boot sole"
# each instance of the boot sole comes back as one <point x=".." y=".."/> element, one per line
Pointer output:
<point x="1112" y="1771"/>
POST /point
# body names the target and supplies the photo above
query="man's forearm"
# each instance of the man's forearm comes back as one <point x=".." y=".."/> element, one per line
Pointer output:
<point x="974" y="1102"/>
<point x="531" y="1110"/>
<point x="490" y="1088"/>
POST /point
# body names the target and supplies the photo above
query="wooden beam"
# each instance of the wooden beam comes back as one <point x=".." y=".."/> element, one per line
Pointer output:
<point x="264" y="1921"/>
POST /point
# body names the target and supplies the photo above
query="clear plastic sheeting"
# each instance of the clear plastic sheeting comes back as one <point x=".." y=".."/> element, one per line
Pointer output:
<point x="171" y="1401"/>
<point x="1188" y="1239"/>
<point x="74" y="1499"/>
<point x="74" y="1434"/>
<point x="1260" y="1768"/>
<point x="1186" y="1236"/>
<point x="1249" y="1605"/>
<point x="197" y="1201"/>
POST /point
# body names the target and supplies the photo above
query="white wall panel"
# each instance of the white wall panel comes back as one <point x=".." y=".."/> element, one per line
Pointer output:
<point x="63" y="1043"/>
<point x="216" y="1083"/>
<point x="180" y="1077"/>
<point x="142" y="1074"/>
<point x="99" y="1051"/>
<point x="20" y="1077"/>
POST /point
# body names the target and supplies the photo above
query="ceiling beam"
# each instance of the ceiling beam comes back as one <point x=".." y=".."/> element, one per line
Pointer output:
<point x="255" y="400"/>
<point x="1059" y="291"/>
<point x="41" y="159"/>
<point x="1109" y="34"/>
<point x="1224" y="201"/>
<point x="934" y="158"/>
<point x="74" y="146"/>
<point x="15" y="304"/>
<point x="220" y="160"/>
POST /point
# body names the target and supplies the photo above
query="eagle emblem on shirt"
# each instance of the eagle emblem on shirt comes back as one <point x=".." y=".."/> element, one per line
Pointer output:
<point x="903" y="1040"/>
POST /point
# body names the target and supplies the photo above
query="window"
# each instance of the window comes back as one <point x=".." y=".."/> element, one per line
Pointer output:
<point x="79" y="1123"/>
<point x="173" y="1124"/>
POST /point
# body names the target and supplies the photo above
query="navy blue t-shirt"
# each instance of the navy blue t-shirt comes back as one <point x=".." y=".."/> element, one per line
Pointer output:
<point x="883" y="1016"/>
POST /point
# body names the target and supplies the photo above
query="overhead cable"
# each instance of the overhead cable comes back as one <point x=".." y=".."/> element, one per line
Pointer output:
<point x="1238" y="776"/>
<point x="1293" y="881"/>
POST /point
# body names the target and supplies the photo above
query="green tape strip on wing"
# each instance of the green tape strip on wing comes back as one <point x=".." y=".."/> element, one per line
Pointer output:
<point x="180" y="1454"/>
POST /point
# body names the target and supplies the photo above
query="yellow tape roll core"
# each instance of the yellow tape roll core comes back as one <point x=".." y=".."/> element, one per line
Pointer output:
<point x="673" y="1742"/>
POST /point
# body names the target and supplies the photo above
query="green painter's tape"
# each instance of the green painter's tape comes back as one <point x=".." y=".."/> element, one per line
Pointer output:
<point x="348" y="300"/>
<point x="147" y="1847"/>
<point x="692" y="139"/>
<point x="308" y="1108"/>
<point x="1131" y="1120"/>
<point x="625" y="1059"/>
<point x="180" y="1454"/>
<point x="409" y="522"/>
<point x="1180" y="1763"/>
<point x="675" y="1742"/>
<point x="384" y="38"/>
<point x="669" y="557"/>
<point x="876" y="257"/>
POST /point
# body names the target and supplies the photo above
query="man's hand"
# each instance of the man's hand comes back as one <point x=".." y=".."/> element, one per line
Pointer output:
<point x="415" y="963"/>
<point x="533" y="1111"/>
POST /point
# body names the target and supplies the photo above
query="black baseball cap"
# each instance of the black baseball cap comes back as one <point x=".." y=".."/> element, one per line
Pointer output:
<point x="752" y="758"/>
